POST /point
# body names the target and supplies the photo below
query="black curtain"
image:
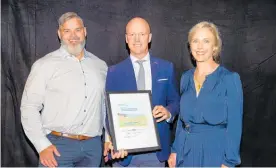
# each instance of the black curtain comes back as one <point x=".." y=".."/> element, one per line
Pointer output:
<point x="248" y="29"/>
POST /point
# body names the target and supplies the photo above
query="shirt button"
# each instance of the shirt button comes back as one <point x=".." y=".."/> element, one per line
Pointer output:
<point x="85" y="84"/>
<point x="84" y="110"/>
<point x="82" y="71"/>
<point x="85" y="96"/>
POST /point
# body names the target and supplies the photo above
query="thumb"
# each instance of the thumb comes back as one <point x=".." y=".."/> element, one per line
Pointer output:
<point x="56" y="152"/>
<point x="111" y="146"/>
<point x="106" y="151"/>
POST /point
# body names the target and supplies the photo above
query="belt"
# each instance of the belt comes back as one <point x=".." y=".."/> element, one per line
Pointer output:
<point x="198" y="128"/>
<point x="72" y="136"/>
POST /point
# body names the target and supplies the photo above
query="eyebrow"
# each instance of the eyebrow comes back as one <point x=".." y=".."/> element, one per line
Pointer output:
<point x="203" y="38"/>
<point x="74" y="29"/>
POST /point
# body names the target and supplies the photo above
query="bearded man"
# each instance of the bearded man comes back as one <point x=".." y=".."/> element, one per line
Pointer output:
<point x="62" y="107"/>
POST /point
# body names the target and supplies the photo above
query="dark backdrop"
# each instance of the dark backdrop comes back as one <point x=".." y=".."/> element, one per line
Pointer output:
<point x="248" y="28"/>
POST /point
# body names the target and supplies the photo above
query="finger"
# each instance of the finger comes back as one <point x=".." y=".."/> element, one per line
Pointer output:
<point x="105" y="158"/>
<point x="113" y="155"/>
<point x="160" y="114"/>
<point x="125" y="153"/>
<point x="173" y="163"/>
<point x="46" y="163"/>
<point x="156" y="113"/>
<point x="56" y="152"/>
<point x="122" y="154"/>
<point x="42" y="161"/>
<point x="119" y="154"/>
<point x="105" y="151"/>
<point x="161" y="119"/>
<point x="170" y="163"/>
<point x="111" y="147"/>
<point x="50" y="163"/>
<point x="156" y="110"/>
<point x="53" y="161"/>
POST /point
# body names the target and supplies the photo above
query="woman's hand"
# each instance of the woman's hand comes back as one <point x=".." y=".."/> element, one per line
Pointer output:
<point x="172" y="160"/>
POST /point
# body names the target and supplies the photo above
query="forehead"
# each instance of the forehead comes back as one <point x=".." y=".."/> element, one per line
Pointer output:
<point x="137" y="26"/>
<point x="72" y="23"/>
<point x="203" y="33"/>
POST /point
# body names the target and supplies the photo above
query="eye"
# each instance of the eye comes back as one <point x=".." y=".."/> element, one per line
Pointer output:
<point x="194" y="41"/>
<point x="206" y="41"/>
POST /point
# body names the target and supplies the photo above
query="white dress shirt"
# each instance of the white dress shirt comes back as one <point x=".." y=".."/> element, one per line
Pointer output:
<point x="147" y="68"/>
<point x="68" y="92"/>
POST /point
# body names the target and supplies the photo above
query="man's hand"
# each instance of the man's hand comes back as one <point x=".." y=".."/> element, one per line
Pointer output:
<point x="106" y="150"/>
<point x="115" y="155"/>
<point x="161" y="112"/>
<point x="47" y="158"/>
<point x="172" y="160"/>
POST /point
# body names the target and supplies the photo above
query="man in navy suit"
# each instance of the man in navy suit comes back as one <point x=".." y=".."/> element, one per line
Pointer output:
<point x="142" y="71"/>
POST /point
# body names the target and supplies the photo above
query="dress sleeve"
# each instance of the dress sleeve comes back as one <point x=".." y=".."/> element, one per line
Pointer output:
<point x="176" y="144"/>
<point x="234" y="120"/>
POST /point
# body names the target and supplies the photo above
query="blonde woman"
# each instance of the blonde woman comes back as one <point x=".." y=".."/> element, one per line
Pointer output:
<point x="210" y="121"/>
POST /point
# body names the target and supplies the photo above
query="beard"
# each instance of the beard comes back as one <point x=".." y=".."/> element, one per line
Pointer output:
<point x="73" y="49"/>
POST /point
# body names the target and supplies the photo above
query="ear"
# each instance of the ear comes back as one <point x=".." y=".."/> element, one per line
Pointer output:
<point x="150" y="36"/>
<point x="126" y="38"/>
<point x="85" y="32"/>
<point x="215" y="49"/>
<point x="59" y="34"/>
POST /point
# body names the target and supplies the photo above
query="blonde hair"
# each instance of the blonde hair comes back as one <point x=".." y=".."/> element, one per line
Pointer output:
<point x="213" y="28"/>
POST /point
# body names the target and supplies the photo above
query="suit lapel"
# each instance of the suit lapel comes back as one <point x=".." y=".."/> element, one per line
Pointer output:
<point x="154" y="74"/>
<point x="129" y="76"/>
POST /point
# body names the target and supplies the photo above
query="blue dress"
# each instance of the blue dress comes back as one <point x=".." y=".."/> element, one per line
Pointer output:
<point x="209" y="126"/>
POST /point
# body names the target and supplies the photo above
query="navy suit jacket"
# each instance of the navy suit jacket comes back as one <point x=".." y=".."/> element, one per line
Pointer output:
<point x="121" y="77"/>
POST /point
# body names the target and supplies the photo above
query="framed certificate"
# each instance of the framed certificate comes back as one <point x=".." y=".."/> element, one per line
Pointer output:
<point x="132" y="126"/>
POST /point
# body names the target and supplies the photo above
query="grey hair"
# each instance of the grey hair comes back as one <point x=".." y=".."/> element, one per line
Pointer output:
<point x="67" y="16"/>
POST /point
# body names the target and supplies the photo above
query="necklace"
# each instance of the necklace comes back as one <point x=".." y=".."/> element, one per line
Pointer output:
<point x="198" y="84"/>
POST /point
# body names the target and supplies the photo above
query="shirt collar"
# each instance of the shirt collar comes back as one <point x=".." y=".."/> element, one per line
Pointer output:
<point x="134" y="59"/>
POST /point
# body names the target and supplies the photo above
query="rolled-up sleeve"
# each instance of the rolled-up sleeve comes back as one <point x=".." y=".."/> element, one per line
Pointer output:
<point x="32" y="104"/>
<point x="234" y="122"/>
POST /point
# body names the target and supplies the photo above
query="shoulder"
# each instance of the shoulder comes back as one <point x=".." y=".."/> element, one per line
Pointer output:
<point x="161" y="61"/>
<point x="229" y="76"/>
<point x="186" y="74"/>
<point x="99" y="62"/>
<point x="47" y="60"/>
<point x="119" y="66"/>
<point x="185" y="78"/>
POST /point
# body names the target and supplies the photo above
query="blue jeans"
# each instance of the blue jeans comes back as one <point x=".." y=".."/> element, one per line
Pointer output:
<point x="75" y="153"/>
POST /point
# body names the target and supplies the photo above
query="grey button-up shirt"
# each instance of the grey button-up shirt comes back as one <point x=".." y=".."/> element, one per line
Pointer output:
<point x="68" y="92"/>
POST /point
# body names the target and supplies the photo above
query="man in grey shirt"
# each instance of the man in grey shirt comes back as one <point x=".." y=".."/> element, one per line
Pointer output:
<point x="62" y="107"/>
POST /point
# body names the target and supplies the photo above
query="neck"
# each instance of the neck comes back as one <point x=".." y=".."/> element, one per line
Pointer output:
<point x="139" y="56"/>
<point x="205" y="68"/>
<point x="80" y="56"/>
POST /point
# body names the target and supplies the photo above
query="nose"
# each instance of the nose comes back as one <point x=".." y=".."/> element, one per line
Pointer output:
<point x="73" y="34"/>
<point x="137" y="38"/>
<point x="200" y="45"/>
